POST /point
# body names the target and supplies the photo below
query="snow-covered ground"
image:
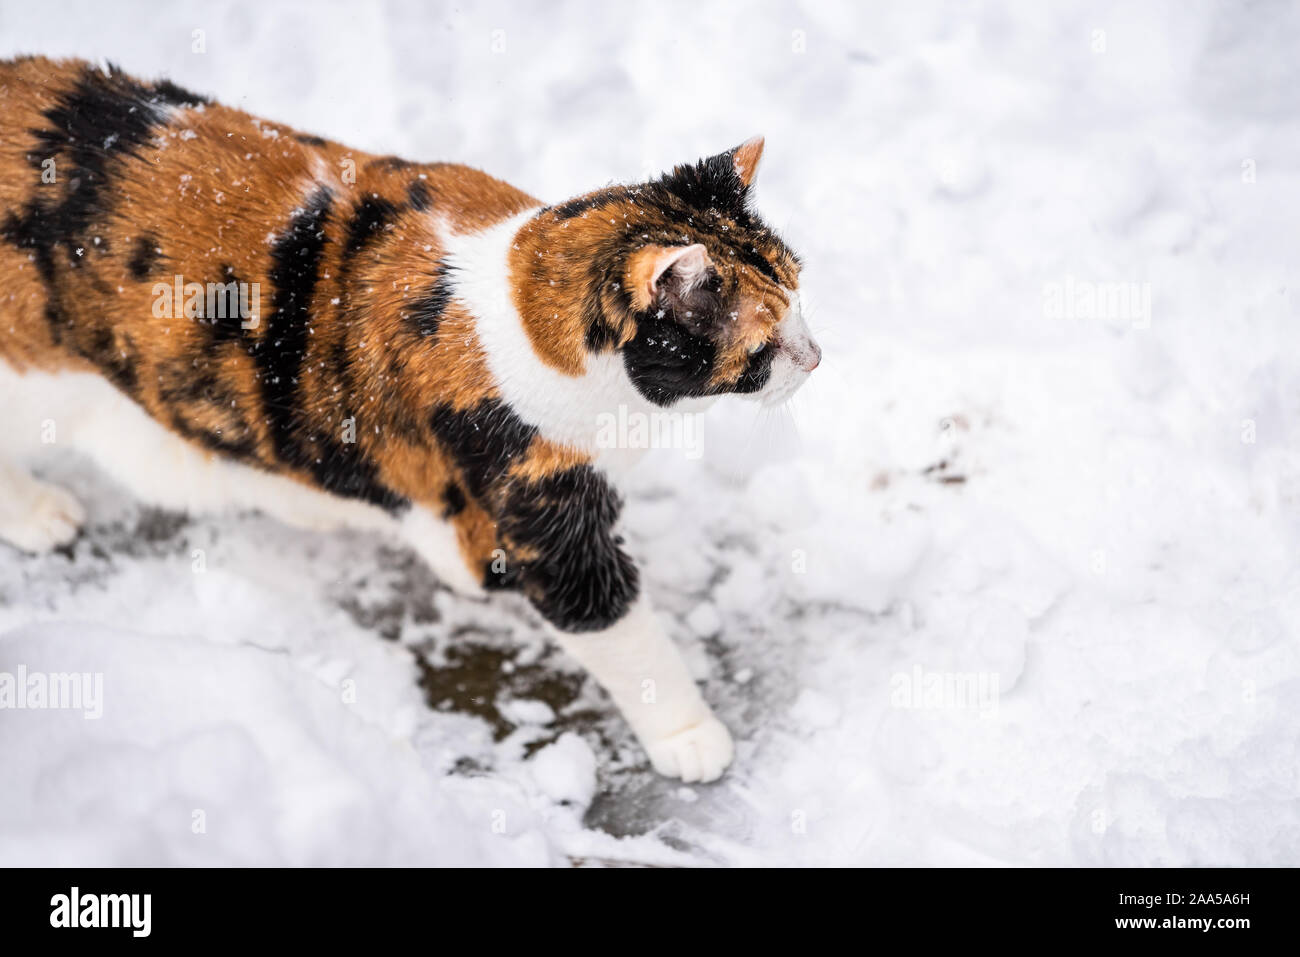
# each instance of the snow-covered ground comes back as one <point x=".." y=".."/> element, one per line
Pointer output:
<point x="1014" y="580"/>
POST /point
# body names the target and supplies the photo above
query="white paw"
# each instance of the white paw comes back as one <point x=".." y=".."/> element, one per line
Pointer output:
<point x="40" y="517"/>
<point x="699" y="753"/>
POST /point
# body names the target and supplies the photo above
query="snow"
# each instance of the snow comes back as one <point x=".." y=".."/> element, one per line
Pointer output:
<point x="1000" y="587"/>
<point x="565" y="771"/>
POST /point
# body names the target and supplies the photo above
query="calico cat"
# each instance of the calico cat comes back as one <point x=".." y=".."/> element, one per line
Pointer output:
<point x="224" y="312"/>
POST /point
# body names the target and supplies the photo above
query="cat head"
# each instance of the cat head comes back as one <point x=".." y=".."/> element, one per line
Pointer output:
<point x="677" y="277"/>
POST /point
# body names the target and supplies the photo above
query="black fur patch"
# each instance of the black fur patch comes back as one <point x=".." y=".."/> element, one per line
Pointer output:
<point x="506" y="579"/>
<point x="389" y="163"/>
<point x="757" y="371"/>
<point x="711" y="183"/>
<point x="144" y="253"/>
<point x="581" y="580"/>
<point x="282" y="348"/>
<point x="483" y="440"/>
<point x="102" y="349"/>
<point x="184" y="387"/>
<point x="666" y="362"/>
<point x="739" y="238"/>
<point x="230" y="326"/>
<point x="582" y="204"/>
<point x="600" y="335"/>
<point x="417" y="194"/>
<point x="29" y="231"/>
<point x="167" y="92"/>
<point x="337" y="467"/>
<point x="453" y="500"/>
<point x="99" y="121"/>
<point x="427" y="314"/>
<point x="54" y="321"/>
<point x="241" y="449"/>
<point x="371" y="216"/>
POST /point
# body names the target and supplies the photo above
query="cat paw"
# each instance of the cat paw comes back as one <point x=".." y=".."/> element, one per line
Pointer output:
<point x="39" y="517"/>
<point x="699" y="753"/>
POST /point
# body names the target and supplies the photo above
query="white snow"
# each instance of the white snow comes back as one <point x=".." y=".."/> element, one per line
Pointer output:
<point x="566" y="770"/>
<point x="1000" y="587"/>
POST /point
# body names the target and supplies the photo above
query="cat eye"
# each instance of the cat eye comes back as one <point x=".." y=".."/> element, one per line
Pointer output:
<point x="757" y="348"/>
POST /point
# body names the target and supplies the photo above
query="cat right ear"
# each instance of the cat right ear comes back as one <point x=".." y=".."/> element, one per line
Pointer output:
<point x="745" y="159"/>
<point x="654" y="270"/>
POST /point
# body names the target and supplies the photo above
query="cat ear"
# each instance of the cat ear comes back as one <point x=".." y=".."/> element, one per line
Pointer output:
<point x="689" y="265"/>
<point x="745" y="158"/>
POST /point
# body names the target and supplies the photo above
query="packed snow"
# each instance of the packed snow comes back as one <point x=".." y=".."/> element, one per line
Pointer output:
<point x="1012" y="581"/>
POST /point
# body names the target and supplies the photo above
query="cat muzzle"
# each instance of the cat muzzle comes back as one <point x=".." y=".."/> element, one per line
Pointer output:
<point x="803" y="351"/>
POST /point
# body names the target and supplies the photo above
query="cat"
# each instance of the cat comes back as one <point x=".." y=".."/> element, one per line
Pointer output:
<point x="225" y="313"/>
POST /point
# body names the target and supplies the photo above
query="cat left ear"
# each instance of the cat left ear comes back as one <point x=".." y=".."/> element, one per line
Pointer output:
<point x="745" y="158"/>
<point x="648" y="271"/>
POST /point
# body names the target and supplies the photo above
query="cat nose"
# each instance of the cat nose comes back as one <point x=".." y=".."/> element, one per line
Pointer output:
<point x="805" y="353"/>
<point x="802" y="350"/>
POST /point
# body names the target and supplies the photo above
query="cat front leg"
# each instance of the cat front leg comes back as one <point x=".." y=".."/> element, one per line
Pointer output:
<point x="560" y="528"/>
<point x="639" y="666"/>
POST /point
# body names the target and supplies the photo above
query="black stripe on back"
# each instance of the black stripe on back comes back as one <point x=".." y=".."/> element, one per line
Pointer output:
<point x="427" y="314"/>
<point x="338" y="467"/>
<point x="483" y="440"/>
